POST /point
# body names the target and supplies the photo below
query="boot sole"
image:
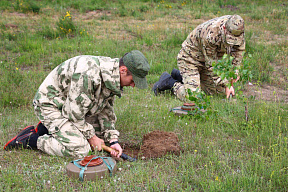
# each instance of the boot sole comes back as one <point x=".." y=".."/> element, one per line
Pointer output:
<point x="17" y="135"/>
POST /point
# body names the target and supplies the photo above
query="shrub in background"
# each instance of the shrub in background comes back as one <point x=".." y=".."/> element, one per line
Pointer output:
<point x="26" y="6"/>
<point x="66" y="26"/>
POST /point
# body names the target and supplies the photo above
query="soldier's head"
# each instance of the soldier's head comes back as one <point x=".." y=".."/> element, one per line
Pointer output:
<point x="134" y="67"/>
<point x="234" y="30"/>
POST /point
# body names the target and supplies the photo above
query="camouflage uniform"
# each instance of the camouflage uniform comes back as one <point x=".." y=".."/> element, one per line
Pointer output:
<point x="204" y="45"/>
<point x="75" y="101"/>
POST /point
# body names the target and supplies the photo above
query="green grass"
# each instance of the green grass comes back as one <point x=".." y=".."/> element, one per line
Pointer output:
<point x="223" y="153"/>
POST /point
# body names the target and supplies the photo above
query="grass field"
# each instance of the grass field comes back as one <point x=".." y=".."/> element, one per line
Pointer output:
<point x="222" y="153"/>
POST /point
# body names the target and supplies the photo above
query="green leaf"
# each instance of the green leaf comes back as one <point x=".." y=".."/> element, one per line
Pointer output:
<point x="222" y="76"/>
<point x="192" y="98"/>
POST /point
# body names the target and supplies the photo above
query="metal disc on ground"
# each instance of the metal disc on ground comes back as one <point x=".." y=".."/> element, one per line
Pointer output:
<point x="178" y="111"/>
<point x="92" y="162"/>
<point x="188" y="106"/>
<point x="92" y="172"/>
<point x="184" y="109"/>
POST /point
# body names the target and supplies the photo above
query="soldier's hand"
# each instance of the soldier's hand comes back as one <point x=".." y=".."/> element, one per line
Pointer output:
<point x="117" y="147"/>
<point x="95" y="143"/>
<point x="229" y="91"/>
<point x="235" y="80"/>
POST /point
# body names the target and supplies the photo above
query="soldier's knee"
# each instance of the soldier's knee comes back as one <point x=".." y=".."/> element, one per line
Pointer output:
<point x="80" y="148"/>
<point x="180" y="92"/>
<point x="81" y="151"/>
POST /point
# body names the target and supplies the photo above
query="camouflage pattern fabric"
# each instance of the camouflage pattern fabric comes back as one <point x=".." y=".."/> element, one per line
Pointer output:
<point x="204" y="45"/>
<point x="79" y="91"/>
<point x="68" y="141"/>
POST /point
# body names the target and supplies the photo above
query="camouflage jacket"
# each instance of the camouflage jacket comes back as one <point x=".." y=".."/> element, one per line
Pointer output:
<point x="80" y="87"/>
<point x="206" y="43"/>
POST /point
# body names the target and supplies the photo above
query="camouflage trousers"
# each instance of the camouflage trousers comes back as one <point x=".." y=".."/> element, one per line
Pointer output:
<point x="196" y="75"/>
<point x="64" y="139"/>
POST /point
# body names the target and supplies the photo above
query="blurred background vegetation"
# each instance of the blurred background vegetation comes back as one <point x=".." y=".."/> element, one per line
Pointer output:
<point x="225" y="153"/>
<point x="36" y="36"/>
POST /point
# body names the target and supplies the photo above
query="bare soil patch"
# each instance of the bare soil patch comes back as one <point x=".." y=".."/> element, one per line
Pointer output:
<point x="230" y="7"/>
<point x="267" y="93"/>
<point x="16" y="14"/>
<point x="96" y="13"/>
<point x="11" y="26"/>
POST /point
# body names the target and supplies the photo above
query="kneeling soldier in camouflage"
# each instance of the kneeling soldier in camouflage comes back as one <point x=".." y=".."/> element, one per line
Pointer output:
<point x="207" y="43"/>
<point x="75" y="103"/>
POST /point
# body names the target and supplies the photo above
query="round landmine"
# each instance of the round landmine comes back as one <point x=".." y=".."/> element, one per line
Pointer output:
<point x="92" y="172"/>
<point x="188" y="106"/>
<point x="93" y="162"/>
<point x="184" y="109"/>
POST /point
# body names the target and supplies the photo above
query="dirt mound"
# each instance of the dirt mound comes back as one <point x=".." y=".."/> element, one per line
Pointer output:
<point x="155" y="144"/>
<point x="159" y="143"/>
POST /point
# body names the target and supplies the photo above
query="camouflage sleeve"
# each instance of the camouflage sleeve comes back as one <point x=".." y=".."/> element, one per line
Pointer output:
<point x="107" y="120"/>
<point x="237" y="52"/>
<point x="209" y="51"/>
<point x="78" y="103"/>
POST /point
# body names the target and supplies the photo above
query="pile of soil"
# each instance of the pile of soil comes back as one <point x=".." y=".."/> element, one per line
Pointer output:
<point x="159" y="143"/>
<point x="155" y="144"/>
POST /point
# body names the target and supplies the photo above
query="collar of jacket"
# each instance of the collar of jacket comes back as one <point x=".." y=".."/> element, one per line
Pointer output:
<point x="111" y="77"/>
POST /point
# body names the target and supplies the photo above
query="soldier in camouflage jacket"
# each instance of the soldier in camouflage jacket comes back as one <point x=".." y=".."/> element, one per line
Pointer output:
<point x="75" y="104"/>
<point x="207" y="43"/>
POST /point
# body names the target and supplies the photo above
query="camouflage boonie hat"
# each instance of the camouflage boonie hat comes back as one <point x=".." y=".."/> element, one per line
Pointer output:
<point x="138" y="65"/>
<point x="235" y="30"/>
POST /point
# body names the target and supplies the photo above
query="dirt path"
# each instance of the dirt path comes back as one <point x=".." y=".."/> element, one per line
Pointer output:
<point x="267" y="93"/>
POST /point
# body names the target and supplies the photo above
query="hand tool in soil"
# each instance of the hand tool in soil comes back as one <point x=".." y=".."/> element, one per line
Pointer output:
<point x="123" y="156"/>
